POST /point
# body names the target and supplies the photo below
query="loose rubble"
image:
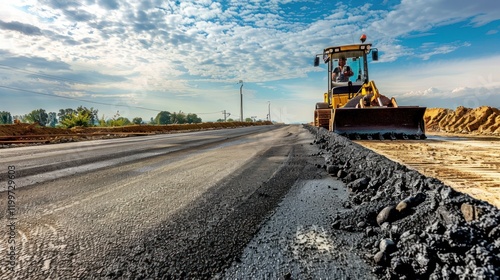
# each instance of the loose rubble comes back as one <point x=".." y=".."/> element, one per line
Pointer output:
<point x="414" y="227"/>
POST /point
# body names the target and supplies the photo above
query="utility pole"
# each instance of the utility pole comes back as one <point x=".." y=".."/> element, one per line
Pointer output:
<point x="241" y="100"/>
<point x="269" y="110"/>
<point x="225" y="115"/>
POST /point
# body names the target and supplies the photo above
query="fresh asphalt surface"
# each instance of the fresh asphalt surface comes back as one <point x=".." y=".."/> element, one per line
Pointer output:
<point x="189" y="205"/>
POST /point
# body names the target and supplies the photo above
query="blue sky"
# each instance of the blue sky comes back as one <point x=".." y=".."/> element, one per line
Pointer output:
<point x="142" y="57"/>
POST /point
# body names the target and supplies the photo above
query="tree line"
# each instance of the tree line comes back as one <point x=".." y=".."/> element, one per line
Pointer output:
<point x="83" y="116"/>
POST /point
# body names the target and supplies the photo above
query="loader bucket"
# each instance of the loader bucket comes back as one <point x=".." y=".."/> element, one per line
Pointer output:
<point x="380" y="122"/>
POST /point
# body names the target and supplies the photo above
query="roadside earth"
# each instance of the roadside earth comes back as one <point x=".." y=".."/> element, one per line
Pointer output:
<point x="468" y="163"/>
<point x="13" y="135"/>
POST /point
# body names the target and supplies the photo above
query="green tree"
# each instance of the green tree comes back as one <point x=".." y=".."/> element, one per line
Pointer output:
<point x="124" y="121"/>
<point x="248" y="120"/>
<point x="102" y="121"/>
<point x="91" y="112"/>
<point x="163" y="117"/>
<point x="38" y="116"/>
<point x="120" y="121"/>
<point x="192" y="118"/>
<point x="65" y="113"/>
<point x="83" y="111"/>
<point x="178" y="118"/>
<point x="137" y="120"/>
<point x="76" y="119"/>
<point x="5" y="117"/>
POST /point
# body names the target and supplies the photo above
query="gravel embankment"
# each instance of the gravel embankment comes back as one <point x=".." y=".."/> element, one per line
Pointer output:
<point x="414" y="227"/>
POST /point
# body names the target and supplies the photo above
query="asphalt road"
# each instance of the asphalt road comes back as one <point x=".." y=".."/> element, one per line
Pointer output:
<point x="166" y="206"/>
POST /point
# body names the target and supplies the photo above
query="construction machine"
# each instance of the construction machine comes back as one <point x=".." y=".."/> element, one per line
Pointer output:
<point x="353" y="106"/>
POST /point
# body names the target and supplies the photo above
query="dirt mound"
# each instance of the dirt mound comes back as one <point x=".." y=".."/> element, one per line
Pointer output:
<point x="481" y="120"/>
<point x="412" y="226"/>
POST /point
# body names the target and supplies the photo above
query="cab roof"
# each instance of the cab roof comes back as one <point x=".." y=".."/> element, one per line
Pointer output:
<point x="355" y="50"/>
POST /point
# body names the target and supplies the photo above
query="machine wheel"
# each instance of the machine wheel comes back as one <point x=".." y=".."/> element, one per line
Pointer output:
<point x="322" y="105"/>
<point x="322" y="117"/>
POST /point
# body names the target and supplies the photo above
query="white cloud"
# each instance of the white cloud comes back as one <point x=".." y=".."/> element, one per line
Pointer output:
<point x="434" y="49"/>
<point x="420" y="16"/>
<point x="430" y="92"/>
<point x="143" y="51"/>
<point x="444" y="74"/>
<point x="444" y="83"/>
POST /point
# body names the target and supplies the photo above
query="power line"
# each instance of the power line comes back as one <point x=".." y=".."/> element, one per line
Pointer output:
<point x="41" y="74"/>
<point x="218" y="112"/>
<point x="82" y="100"/>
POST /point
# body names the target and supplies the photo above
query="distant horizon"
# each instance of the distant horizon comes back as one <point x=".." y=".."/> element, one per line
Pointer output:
<point x="146" y="121"/>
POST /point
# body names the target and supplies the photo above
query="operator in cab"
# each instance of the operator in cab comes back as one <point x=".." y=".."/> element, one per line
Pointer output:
<point x="342" y="72"/>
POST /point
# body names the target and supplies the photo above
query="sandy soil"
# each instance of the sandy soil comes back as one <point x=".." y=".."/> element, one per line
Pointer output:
<point x="468" y="163"/>
<point x="482" y="120"/>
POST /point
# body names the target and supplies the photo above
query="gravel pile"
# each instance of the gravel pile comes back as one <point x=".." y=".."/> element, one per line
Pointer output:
<point x="414" y="227"/>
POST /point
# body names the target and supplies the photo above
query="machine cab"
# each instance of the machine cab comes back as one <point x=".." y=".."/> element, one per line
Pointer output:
<point x="356" y="60"/>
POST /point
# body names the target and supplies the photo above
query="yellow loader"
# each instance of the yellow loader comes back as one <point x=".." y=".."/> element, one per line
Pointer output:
<point x="353" y="106"/>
